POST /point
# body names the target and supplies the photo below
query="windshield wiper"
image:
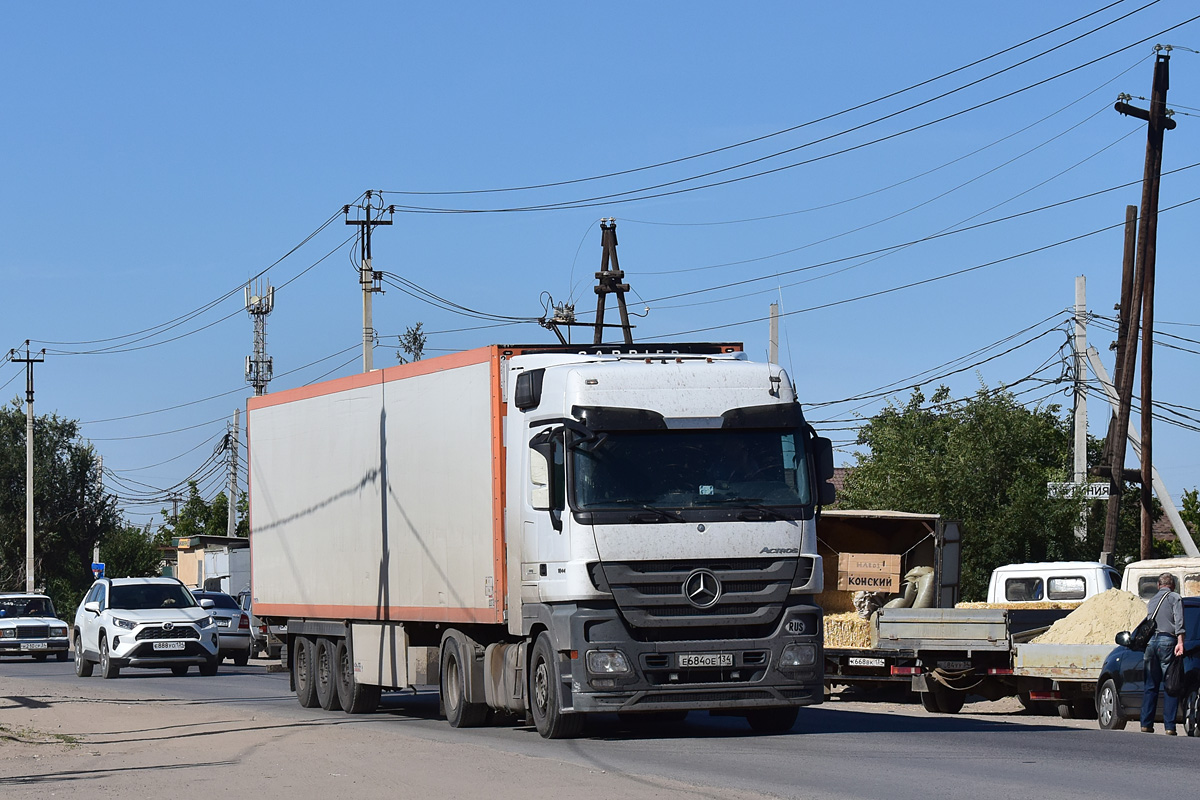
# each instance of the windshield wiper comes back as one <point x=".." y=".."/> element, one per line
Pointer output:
<point x="660" y="514"/>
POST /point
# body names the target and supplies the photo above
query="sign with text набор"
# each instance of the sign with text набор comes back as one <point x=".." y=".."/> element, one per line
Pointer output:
<point x="868" y="572"/>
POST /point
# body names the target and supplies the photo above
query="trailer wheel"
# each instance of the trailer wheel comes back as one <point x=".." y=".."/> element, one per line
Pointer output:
<point x="302" y="671"/>
<point x="325" y="675"/>
<point x="459" y="712"/>
<point x="772" y="720"/>
<point x="1108" y="707"/>
<point x="357" y="698"/>
<point x="544" y="694"/>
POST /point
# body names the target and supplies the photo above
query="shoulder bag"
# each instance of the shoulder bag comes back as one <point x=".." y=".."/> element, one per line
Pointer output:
<point x="1146" y="629"/>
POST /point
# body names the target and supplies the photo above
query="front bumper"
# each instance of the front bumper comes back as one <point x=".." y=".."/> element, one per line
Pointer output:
<point x="33" y="647"/>
<point x="126" y="651"/>
<point x="658" y="682"/>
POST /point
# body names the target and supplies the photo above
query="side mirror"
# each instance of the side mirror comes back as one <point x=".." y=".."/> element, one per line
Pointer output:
<point x="1125" y="639"/>
<point x="822" y="455"/>
<point x="542" y="474"/>
<point x="92" y="606"/>
<point x="207" y="603"/>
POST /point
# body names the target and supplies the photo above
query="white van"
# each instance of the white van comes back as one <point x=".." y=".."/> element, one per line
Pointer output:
<point x="1141" y="577"/>
<point x="1054" y="581"/>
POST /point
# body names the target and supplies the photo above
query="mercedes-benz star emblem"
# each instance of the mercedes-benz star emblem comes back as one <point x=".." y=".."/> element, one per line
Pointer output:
<point x="702" y="588"/>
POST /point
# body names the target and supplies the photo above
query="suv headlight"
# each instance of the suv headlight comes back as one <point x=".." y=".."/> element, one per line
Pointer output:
<point x="206" y="622"/>
<point x="124" y="623"/>
<point x="607" y="662"/>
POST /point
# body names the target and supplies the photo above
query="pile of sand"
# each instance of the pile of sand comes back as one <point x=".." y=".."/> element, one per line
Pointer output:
<point x="847" y="630"/>
<point x="1097" y="620"/>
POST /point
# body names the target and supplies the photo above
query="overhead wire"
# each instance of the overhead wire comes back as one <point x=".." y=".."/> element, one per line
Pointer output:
<point x="624" y="197"/>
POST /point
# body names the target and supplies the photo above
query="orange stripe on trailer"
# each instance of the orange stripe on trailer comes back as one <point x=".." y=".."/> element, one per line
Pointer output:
<point x="499" y="411"/>
<point x="375" y="614"/>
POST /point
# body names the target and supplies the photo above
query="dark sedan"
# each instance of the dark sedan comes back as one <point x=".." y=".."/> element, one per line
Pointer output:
<point x="1119" y="690"/>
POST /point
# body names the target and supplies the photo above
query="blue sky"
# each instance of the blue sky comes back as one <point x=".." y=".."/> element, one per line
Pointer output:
<point x="156" y="156"/>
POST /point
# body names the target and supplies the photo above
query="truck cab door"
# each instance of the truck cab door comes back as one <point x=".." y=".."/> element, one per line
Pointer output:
<point x="545" y="546"/>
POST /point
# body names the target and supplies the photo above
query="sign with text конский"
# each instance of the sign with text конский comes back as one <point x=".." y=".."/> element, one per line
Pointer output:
<point x="868" y="572"/>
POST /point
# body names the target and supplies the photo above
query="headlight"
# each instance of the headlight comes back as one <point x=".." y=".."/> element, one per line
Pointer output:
<point x="797" y="655"/>
<point x="59" y="632"/>
<point x="124" y="623"/>
<point x="206" y="621"/>
<point x="8" y="633"/>
<point x="607" y="662"/>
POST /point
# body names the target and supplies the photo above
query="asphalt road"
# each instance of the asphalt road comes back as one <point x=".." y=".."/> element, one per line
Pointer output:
<point x="842" y="749"/>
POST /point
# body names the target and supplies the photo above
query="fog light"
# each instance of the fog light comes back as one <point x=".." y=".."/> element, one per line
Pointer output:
<point x="797" y="655"/>
<point x="607" y="662"/>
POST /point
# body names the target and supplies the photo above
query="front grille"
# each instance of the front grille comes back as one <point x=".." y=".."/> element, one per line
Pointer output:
<point x="650" y="594"/>
<point x="33" y="631"/>
<point x="158" y="632"/>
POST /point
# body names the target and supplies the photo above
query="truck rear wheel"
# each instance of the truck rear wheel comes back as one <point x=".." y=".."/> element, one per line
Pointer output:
<point x="772" y="720"/>
<point x="1108" y="707"/>
<point x="940" y="700"/>
<point x="325" y="675"/>
<point x="357" y="698"/>
<point x="459" y="712"/>
<point x="1079" y="708"/>
<point x="302" y="671"/>
<point x="545" y="694"/>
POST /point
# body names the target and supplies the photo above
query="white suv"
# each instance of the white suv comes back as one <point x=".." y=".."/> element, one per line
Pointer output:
<point x="143" y="622"/>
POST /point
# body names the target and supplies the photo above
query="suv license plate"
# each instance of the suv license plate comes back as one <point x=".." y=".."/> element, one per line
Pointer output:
<point x="168" y="645"/>
<point x="33" y="645"/>
<point x="706" y="660"/>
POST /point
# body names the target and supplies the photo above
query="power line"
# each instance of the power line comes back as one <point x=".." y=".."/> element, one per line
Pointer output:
<point x="826" y="117"/>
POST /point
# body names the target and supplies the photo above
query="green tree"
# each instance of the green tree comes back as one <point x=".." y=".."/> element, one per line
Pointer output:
<point x="131" y="552"/>
<point x="1191" y="510"/>
<point x="198" y="517"/>
<point x="71" y="513"/>
<point x="984" y="461"/>
<point x="412" y="344"/>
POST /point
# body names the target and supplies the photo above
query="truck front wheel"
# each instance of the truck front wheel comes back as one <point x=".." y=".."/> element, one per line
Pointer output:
<point x="545" y="694"/>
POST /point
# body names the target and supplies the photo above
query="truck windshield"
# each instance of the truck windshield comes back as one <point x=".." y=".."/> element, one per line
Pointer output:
<point x="690" y="469"/>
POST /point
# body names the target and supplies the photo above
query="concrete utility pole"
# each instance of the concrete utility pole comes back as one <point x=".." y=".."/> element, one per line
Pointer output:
<point x="609" y="281"/>
<point x="260" y="301"/>
<point x="1157" y="122"/>
<point x="367" y="277"/>
<point x="28" y="361"/>
<point x="773" y="338"/>
<point x="234" y="452"/>
<point x="1080" y="454"/>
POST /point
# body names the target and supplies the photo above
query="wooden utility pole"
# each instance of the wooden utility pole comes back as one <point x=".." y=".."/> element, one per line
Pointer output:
<point x="1157" y="122"/>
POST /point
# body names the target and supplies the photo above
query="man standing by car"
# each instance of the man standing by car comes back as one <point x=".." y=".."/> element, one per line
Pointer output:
<point x="1165" y="646"/>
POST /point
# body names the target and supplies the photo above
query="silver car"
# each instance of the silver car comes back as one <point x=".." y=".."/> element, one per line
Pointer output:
<point x="233" y="625"/>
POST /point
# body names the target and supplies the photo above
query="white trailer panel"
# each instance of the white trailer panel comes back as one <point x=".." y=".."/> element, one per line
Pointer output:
<point x="377" y="497"/>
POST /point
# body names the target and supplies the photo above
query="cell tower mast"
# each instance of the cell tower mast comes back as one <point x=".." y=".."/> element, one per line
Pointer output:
<point x="260" y="300"/>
